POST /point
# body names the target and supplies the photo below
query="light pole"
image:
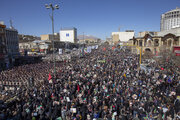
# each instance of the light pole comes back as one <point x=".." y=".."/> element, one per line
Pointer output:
<point x="50" y="6"/>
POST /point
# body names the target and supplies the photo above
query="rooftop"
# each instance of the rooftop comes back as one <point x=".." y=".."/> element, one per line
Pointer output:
<point x="177" y="9"/>
<point x="70" y="28"/>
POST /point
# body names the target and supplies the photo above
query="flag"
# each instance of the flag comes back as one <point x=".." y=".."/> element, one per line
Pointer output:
<point x="50" y="77"/>
<point x="96" y="47"/>
<point x="85" y="50"/>
<point x="60" y="51"/>
<point x="78" y="88"/>
<point x="162" y="68"/>
<point x="104" y="49"/>
<point x="124" y="75"/>
<point x="169" y="80"/>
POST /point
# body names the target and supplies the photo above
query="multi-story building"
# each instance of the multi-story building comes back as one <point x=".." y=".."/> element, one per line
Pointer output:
<point x="12" y="43"/>
<point x="109" y="40"/>
<point x="50" y="37"/>
<point x="122" y="36"/>
<point x="88" y="39"/>
<point x="23" y="37"/>
<point x="68" y="35"/>
<point x="164" y="40"/>
<point x="170" y="19"/>
<point x="152" y="33"/>
<point x="33" y="47"/>
<point x="3" y="50"/>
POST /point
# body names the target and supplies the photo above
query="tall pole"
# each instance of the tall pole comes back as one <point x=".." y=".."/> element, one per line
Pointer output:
<point x="140" y="56"/>
<point x="54" y="57"/>
<point x="83" y="36"/>
<point x="52" y="18"/>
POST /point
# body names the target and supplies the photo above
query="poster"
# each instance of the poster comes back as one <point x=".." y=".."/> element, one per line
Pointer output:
<point x="60" y="51"/>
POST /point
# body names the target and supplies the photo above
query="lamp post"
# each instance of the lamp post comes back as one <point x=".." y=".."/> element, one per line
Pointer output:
<point x="50" y="6"/>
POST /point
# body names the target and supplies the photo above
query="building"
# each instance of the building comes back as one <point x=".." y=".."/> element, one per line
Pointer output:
<point x="68" y="35"/>
<point x="170" y="19"/>
<point x="152" y="33"/>
<point x="50" y="37"/>
<point x="122" y="36"/>
<point x="157" y="43"/>
<point x="23" y="37"/>
<point x="3" y="50"/>
<point x="34" y="47"/>
<point x="88" y="39"/>
<point x="109" y="40"/>
<point x="12" y="44"/>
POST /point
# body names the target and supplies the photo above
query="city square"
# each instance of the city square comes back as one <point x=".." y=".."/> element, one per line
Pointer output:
<point x="74" y="75"/>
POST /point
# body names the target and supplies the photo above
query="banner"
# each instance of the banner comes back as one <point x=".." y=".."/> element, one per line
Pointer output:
<point x="93" y="47"/>
<point x="60" y="51"/>
<point x="96" y="47"/>
<point x="81" y="52"/>
<point x="89" y="49"/>
<point x="101" y="61"/>
<point x="85" y="50"/>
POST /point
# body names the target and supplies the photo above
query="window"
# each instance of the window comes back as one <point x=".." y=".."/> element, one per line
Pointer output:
<point x="67" y="34"/>
<point x="140" y="43"/>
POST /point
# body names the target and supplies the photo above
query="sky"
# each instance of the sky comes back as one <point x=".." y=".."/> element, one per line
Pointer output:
<point x="93" y="17"/>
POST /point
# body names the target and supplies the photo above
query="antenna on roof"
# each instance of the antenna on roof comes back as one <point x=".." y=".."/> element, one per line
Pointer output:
<point x="11" y="24"/>
<point x="119" y="29"/>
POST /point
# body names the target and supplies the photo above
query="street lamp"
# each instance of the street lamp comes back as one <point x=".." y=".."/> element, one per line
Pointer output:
<point x="50" y="6"/>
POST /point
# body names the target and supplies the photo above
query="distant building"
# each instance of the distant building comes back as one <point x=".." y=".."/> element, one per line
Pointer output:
<point x="12" y="42"/>
<point x="152" y="33"/>
<point x="50" y="37"/>
<point x="122" y="36"/>
<point x="88" y="39"/>
<point x="23" y="37"/>
<point x="109" y="40"/>
<point x="3" y="50"/>
<point x="170" y="19"/>
<point x="35" y="46"/>
<point x="68" y="35"/>
<point x="175" y="31"/>
<point x="164" y="40"/>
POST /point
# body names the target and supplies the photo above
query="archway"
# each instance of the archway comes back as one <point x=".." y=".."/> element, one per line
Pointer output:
<point x="147" y="50"/>
<point x="156" y="42"/>
<point x="169" y="42"/>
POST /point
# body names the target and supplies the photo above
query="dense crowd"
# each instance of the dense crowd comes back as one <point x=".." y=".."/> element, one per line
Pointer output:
<point x="103" y="85"/>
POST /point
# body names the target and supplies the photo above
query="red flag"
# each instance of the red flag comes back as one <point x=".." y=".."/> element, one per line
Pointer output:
<point x="78" y="88"/>
<point x="104" y="49"/>
<point x="162" y="68"/>
<point x="50" y="77"/>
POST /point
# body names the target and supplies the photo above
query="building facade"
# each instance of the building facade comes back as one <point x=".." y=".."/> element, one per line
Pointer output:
<point x="122" y="36"/>
<point x="170" y="19"/>
<point x="50" y="37"/>
<point x="23" y="37"/>
<point x="68" y="35"/>
<point x="156" y="44"/>
<point x="34" y="47"/>
<point x="12" y="43"/>
<point x="88" y="39"/>
<point x="152" y="33"/>
<point x="3" y="50"/>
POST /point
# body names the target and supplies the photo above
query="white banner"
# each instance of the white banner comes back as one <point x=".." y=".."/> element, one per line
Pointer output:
<point x="96" y="47"/>
<point x="89" y="49"/>
<point x="60" y="51"/>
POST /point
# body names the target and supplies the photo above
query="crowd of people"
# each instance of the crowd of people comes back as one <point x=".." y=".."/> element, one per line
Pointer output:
<point x="103" y="85"/>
